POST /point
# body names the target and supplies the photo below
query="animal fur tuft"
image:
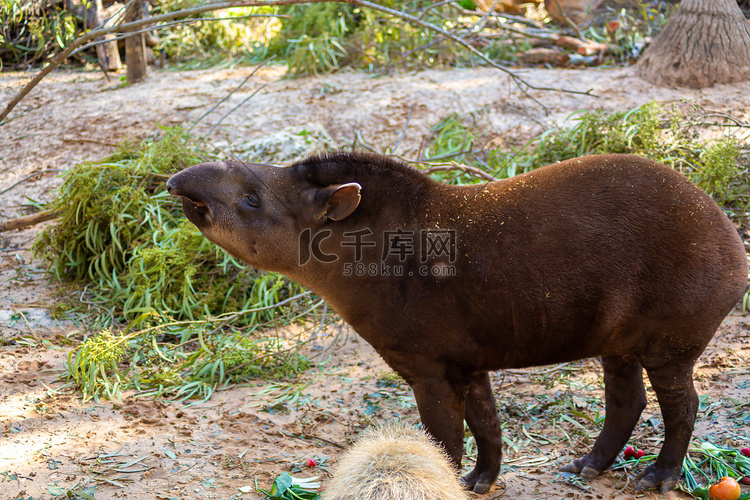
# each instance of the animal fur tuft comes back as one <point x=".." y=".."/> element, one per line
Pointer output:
<point x="394" y="463"/>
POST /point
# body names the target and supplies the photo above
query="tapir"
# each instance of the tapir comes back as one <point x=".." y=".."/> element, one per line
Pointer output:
<point x="610" y="256"/>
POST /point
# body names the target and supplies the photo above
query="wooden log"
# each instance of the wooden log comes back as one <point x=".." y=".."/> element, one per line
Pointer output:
<point x="28" y="220"/>
<point x="592" y="48"/>
<point x="92" y="15"/>
<point x="135" y="46"/>
<point x="569" y="43"/>
<point x="541" y="55"/>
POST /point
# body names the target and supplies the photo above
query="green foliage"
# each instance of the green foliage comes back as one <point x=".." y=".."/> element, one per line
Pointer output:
<point x="713" y="463"/>
<point x="248" y="358"/>
<point x="664" y="134"/>
<point x="324" y="37"/>
<point x="319" y="38"/>
<point x="453" y="140"/>
<point x="180" y="359"/>
<point x="190" y="307"/>
<point x="720" y="174"/>
<point x="31" y="32"/>
<point x="634" y="27"/>
<point x="637" y="131"/>
<point x="236" y="38"/>
<point x="108" y="205"/>
<point x="93" y="366"/>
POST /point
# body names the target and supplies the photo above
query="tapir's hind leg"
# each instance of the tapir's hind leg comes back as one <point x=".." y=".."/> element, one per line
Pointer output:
<point x="481" y="415"/>
<point x="625" y="398"/>
<point x="673" y="385"/>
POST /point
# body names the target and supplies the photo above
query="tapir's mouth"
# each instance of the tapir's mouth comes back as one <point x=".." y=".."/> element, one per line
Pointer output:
<point x="194" y="208"/>
<point x="196" y="203"/>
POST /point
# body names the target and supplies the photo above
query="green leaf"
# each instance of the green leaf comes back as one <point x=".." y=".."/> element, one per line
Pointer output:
<point x="282" y="483"/>
<point x="701" y="493"/>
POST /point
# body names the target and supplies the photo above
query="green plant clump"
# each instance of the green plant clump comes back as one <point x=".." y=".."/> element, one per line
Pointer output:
<point x="323" y="37"/>
<point x="32" y="32"/>
<point x="189" y="307"/>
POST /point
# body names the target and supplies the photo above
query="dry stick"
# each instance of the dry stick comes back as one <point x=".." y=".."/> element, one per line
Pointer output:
<point x="141" y="23"/>
<point x="504" y="15"/>
<point x="517" y="79"/>
<point x="28" y="220"/>
<point x="444" y="167"/>
<point x="393" y="146"/>
<point x="167" y="25"/>
<point x="30" y="177"/>
<point x="229" y="94"/>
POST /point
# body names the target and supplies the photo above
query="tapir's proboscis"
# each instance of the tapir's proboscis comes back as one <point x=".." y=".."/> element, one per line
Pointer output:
<point x="612" y="256"/>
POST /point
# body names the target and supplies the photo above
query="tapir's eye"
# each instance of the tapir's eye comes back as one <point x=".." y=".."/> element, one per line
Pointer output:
<point x="250" y="200"/>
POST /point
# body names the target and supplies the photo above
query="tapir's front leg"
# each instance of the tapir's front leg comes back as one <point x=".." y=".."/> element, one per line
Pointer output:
<point x="481" y="415"/>
<point x="441" y="408"/>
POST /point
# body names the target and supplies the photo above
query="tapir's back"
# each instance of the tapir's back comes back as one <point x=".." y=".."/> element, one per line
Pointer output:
<point x="586" y="257"/>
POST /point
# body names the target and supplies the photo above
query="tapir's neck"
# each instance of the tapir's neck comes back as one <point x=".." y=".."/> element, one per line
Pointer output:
<point x="391" y="236"/>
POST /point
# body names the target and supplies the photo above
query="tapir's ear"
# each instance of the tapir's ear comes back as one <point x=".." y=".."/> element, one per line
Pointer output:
<point x="339" y="201"/>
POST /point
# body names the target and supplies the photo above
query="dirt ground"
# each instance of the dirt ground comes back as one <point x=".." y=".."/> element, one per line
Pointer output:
<point x="52" y="443"/>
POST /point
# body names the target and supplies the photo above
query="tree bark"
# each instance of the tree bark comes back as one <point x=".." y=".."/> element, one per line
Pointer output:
<point x="135" y="46"/>
<point x="91" y="13"/>
<point x="704" y="43"/>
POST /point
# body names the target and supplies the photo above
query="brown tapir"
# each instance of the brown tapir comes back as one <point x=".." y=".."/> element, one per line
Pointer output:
<point x="613" y="256"/>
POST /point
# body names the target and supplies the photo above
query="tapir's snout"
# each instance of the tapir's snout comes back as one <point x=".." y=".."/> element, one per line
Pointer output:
<point x="191" y="185"/>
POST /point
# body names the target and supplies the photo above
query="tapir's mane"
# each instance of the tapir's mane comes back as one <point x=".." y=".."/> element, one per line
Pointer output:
<point x="366" y="169"/>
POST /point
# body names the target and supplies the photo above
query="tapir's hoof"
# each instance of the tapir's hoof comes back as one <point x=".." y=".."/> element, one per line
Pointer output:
<point x="654" y="476"/>
<point x="582" y="467"/>
<point x="478" y="483"/>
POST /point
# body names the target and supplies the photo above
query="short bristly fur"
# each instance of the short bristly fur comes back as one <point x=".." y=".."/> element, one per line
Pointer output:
<point x="394" y="463"/>
<point x="609" y="256"/>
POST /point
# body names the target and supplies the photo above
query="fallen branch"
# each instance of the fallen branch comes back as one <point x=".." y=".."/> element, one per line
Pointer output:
<point x="28" y="220"/>
<point x="134" y="26"/>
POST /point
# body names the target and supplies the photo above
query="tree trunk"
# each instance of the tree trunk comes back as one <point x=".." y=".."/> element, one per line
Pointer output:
<point x="91" y="14"/>
<point x="704" y="43"/>
<point x="135" y="46"/>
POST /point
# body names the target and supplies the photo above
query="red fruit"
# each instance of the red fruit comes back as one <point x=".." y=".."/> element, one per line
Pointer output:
<point x="726" y="489"/>
<point x="311" y="463"/>
<point x="629" y="452"/>
<point x="639" y="453"/>
<point x="745" y="480"/>
<point x="745" y="451"/>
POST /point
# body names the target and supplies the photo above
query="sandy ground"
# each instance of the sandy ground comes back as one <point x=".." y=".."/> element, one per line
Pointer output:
<point x="51" y="442"/>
